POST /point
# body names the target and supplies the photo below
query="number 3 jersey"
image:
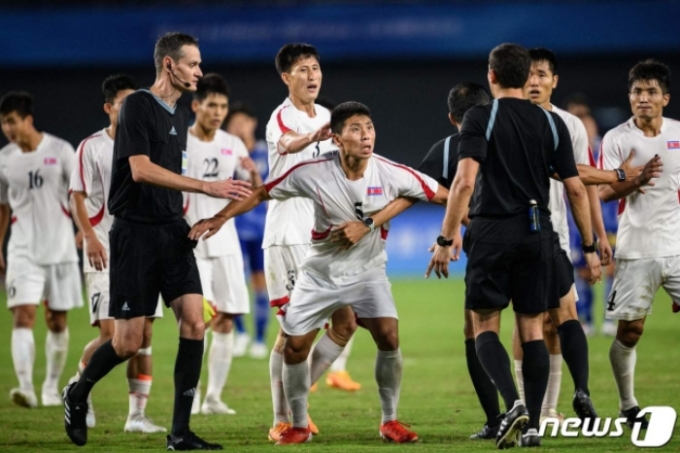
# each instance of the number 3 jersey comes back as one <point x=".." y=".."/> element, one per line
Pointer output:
<point x="35" y="184"/>
<point x="216" y="160"/>
<point x="337" y="200"/>
<point x="289" y="221"/>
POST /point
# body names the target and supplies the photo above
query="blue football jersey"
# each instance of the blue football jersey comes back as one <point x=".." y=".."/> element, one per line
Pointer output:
<point x="250" y="226"/>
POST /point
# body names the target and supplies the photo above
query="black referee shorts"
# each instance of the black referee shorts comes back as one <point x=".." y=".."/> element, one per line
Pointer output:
<point x="506" y="262"/>
<point x="564" y="270"/>
<point x="148" y="260"/>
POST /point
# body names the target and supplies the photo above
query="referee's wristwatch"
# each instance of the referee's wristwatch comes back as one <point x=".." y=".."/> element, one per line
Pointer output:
<point x="369" y="223"/>
<point x="443" y="242"/>
<point x="620" y="174"/>
<point x="589" y="248"/>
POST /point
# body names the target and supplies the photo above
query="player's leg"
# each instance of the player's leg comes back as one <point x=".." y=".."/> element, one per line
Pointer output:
<point x="484" y="388"/>
<point x="552" y="393"/>
<point x="609" y="327"/>
<point x="23" y="353"/>
<point x="258" y="349"/>
<point x="56" y="350"/>
<point x="333" y="342"/>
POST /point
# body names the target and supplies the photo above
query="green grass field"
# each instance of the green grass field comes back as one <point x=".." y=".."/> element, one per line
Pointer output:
<point x="437" y="398"/>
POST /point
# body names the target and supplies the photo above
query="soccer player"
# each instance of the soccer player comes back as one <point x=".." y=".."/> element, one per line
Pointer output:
<point x="150" y="253"/>
<point x="89" y="189"/>
<point x="298" y="130"/>
<point x="648" y="240"/>
<point x="511" y="148"/>
<point x="215" y="155"/>
<point x="343" y="186"/>
<point x="35" y="168"/>
<point x="242" y="122"/>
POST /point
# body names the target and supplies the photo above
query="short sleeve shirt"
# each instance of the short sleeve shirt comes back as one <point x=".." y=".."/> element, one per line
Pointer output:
<point x="441" y="162"/>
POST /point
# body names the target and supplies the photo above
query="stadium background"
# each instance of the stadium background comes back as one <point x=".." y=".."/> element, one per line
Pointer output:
<point x="400" y="58"/>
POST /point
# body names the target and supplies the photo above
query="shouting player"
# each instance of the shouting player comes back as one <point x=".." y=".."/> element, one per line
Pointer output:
<point x="89" y="191"/>
<point x="215" y="155"/>
<point x="35" y="168"/>
<point x="342" y="186"/>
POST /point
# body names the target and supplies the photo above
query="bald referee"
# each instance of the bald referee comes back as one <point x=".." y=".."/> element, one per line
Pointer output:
<point x="150" y="251"/>
<point x="508" y="151"/>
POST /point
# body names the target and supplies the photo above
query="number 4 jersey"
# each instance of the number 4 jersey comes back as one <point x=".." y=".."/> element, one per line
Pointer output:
<point x="289" y="222"/>
<point x="216" y="160"/>
<point x="35" y="184"/>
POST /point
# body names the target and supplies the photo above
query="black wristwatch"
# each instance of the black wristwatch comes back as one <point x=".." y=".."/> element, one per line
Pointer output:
<point x="369" y="223"/>
<point x="589" y="248"/>
<point x="443" y="242"/>
<point x="620" y="174"/>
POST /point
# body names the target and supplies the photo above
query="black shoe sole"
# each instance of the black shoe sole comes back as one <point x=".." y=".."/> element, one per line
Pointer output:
<point x="77" y="439"/>
<point x="509" y="439"/>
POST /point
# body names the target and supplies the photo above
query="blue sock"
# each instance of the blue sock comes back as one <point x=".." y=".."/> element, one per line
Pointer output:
<point x="261" y="316"/>
<point x="238" y="322"/>
<point x="584" y="307"/>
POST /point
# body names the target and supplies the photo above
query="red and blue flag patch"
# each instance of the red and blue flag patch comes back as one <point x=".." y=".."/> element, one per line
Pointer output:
<point x="374" y="191"/>
<point x="673" y="144"/>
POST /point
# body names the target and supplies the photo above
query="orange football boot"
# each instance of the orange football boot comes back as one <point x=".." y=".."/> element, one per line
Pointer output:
<point x="396" y="431"/>
<point x="294" y="435"/>
<point x="341" y="380"/>
<point x="276" y="431"/>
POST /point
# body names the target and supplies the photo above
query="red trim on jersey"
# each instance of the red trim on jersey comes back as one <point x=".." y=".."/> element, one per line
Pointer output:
<point x="279" y="302"/>
<point x="80" y="160"/>
<point x="383" y="233"/>
<point x="13" y="220"/>
<point x="185" y="208"/>
<point x="428" y="192"/>
<point x="65" y="211"/>
<point x="96" y="220"/>
<point x="319" y="235"/>
<point x="591" y="159"/>
<point x="622" y="205"/>
<point x="602" y="155"/>
<point x="270" y="185"/>
<point x="678" y="196"/>
<point x="282" y="126"/>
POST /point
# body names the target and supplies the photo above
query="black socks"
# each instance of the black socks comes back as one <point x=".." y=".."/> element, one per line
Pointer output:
<point x="536" y="371"/>
<point x="575" y="352"/>
<point x="187" y="374"/>
<point x="486" y="391"/>
<point x="103" y="360"/>
<point x="494" y="358"/>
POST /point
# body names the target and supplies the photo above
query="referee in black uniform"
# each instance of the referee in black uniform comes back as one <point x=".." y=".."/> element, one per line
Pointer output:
<point x="507" y="152"/>
<point x="150" y="251"/>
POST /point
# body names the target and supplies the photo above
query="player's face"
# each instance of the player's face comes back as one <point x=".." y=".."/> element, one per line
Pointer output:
<point x="114" y="108"/>
<point x="541" y="83"/>
<point x="15" y="128"/>
<point x="357" y="138"/>
<point x="304" y="79"/>
<point x="211" y="111"/>
<point x="242" y="125"/>
<point x="647" y="100"/>
<point x="187" y="68"/>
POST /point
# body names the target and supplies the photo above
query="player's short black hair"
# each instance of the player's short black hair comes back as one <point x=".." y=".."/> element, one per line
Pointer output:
<point x="511" y="63"/>
<point x="539" y="54"/>
<point x="211" y="84"/>
<point x="239" y="108"/>
<point x="289" y="54"/>
<point x="116" y="83"/>
<point x="346" y="110"/>
<point x="464" y="96"/>
<point x="651" y="70"/>
<point x="170" y="45"/>
<point x="17" y="101"/>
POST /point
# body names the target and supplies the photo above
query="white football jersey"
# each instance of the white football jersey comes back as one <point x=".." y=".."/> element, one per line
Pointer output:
<point x="35" y="184"/>
<point x="288" y="222"/>
<point x="337" y="200"/>
<point x="214" y="161"/>
<point x="557" y="205"/>
<point x="92" y="176"/>
<point x="649" y="223"/>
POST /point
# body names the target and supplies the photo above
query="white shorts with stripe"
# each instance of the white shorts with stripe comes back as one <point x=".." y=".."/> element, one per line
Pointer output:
<point x="281" y="265"/>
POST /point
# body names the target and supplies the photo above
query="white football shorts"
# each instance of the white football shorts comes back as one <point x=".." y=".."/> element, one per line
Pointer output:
<point x="281" y="264"/>
<point x="98" y="295"/>
<point x="58" y="285"/>
<point x="224" y="283"/>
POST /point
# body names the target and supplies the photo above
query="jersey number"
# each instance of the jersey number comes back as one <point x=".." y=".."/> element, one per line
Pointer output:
<point x="317" y="150"/>
<point x="35" y="181"/>
<point x="359" y="209"/>
<point x="210" y="167"/>
<point x="95" y="302"/>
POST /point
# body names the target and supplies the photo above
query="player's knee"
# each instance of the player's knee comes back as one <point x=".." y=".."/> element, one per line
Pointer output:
<point x="24" y="318"/>
<point x="56" y="320"/>
<point x="127" y="347"/>
<point x="343" y="331"/>
<point x="295" y="350"/>
<point x="629" y="332"/>
<point x="387" y="340"/>
<point x="193" y="329"/>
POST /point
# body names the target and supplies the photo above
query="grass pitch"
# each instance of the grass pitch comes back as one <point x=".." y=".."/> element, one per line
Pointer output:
<point x="437" y="398"/>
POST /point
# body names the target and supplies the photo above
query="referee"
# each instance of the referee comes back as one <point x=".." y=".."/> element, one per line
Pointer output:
<point x="507" y="152"/>
<point x="150" y="251"/>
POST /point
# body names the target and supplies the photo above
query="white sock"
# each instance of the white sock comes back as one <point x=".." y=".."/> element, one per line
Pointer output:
<point x="139" y="394"/>
<point x="296" y="382"/>
<point x="23" y="356"/>
<point x="552" y="393"/>
<point x="219" y="363"/>
<point x="56" y="350"/>
<point x="324" y="353"/>
<point x="520" y="379"/>
<point x="388" y="367"/>
<point x="623" y="365"/>
<point x="279" y="402"/>
<point x="340" y="363"/>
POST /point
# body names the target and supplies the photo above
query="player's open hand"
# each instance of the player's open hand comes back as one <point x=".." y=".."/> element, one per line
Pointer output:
<point x="631" y="171"/>
<point x="323" y="133"/>
<point x="652" y="169"/>
<point x="606" y="253"/>
<point x="228" y="188"/>
<point x="96" y="253"/>
<point x="594" y="267"/>
<point x="348" y="234"/>
<point x="442" y="255"/>
<point x="206" y="228"/>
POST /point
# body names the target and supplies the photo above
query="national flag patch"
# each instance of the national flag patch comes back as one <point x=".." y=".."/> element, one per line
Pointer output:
<point x="50" y="161"/>
<point x="374" y="191"/>
<point x="673" y="144"/>
<point x="226" y="152"/>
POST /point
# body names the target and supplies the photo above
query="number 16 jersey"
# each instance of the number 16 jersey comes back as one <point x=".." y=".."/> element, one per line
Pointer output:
<point x="290" y="222"/>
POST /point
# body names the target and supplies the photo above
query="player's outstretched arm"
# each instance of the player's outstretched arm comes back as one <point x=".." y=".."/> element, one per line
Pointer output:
<point x="146" y="172"/>
<point x="208" y="227"/>
<point x="651" y="170"/>
<point x="593" y="176"/>
<point x="4" y="223"/>
<point x="291" y="142"/>
<point x="95" y="252"/>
